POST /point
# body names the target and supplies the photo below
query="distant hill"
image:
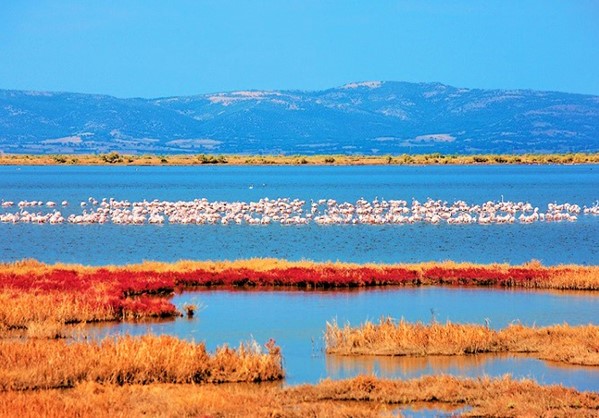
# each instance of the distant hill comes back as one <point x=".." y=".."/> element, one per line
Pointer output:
<point x="366" y="118"/>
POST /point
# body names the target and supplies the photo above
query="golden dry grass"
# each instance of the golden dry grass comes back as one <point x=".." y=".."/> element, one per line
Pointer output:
<point x="19" y="309"/>
<point x="564" y="343"/>
<point x="358" y="397"/>
<point x="201" y="159"/>
<point x="58" y="314"/>
<point x="161" y="400"/>
<point x="488" y="397"/>
<point x="41" y="364"/>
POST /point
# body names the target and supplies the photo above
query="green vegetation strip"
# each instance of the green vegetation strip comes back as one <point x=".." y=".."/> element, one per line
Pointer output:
<point x="115" y="158"/>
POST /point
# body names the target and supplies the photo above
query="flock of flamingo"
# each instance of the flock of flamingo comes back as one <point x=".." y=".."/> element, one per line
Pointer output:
<point x="289" y="212"/>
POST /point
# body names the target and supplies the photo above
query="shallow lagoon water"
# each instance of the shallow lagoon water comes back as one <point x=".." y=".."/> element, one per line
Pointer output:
<point x="296" y="320"/>
<point x="551" y="243"/>
<point x="117" y="244"/>
<point x="538" y="184"/>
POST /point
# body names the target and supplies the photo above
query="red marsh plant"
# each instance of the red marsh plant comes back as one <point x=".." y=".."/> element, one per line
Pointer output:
<point x="140" y="290"/>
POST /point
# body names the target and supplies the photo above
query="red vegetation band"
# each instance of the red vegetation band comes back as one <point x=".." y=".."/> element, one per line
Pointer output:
<point x="134" y="291"/>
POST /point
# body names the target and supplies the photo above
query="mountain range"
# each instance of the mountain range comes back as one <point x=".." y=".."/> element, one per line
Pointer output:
<point x="371" y="117"/>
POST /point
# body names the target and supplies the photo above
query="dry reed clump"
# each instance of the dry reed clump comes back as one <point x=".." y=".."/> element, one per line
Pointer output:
<point x="575" y="277"/>
<point x="568" y="344"/>
<point x="20" y="308"/>
<point x="47" y="315"/>
<point x="42" y="364"/>
<point x="358" y="397"/>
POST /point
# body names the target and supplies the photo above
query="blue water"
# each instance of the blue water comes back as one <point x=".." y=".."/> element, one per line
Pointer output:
<point x="538" y="184"/>
<point x="297" y="319"/>
<point x="551" y="243"/>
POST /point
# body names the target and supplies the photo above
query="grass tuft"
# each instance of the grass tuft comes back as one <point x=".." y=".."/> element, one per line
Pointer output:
<point x="569" y="344"/>
<point x="45" y="364"/>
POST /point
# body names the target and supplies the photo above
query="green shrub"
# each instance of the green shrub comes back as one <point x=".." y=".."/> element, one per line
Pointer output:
<point x="112" y="158"/>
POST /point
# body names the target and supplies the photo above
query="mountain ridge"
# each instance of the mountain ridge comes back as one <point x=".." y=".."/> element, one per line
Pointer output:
<point x="371" y="117"/>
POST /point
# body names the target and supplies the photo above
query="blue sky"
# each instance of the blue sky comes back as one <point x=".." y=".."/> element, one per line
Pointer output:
<point x="151" y="48"/>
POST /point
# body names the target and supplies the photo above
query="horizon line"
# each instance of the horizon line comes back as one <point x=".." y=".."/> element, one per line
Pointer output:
<point x="348" y="86"/>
